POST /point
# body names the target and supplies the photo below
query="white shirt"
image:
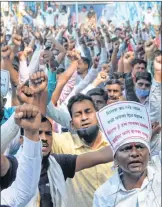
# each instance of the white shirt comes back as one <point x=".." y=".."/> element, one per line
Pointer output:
<point x="8" y="131"/>
<point x="63" y="19"/>
<point x="28" y="175"/>
<point x="82" y="17"/>
<point x="113" y="194"/>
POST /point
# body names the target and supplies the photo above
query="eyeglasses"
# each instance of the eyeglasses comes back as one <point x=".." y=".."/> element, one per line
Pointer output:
<point x="147" y="85"/>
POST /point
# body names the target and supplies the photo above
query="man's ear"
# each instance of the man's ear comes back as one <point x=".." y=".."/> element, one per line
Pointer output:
<point x="115" y="161"/>
<point x="4" y="101"/>
<point x="72" y="125"/>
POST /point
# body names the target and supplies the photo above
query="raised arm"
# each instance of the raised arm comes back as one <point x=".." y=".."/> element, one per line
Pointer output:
<point x="64" y="77"/>
<point x="29" y="168"/>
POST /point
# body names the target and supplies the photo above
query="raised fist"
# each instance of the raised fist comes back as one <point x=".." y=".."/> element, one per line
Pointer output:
<point x="7" y="53"/>
<point x="128" y="57"/>
<point x="116" y="45"/>
<point x="47" y="55"/>
<point x="16" y="39"/>
<point x="25" y="94"/>
<point x="101" y="78"/>
<point x="73" y="55"/>
<point x="38" y="82"/>
<point x="158" y="68"/>
<point x="28" y="117"/>
<point x="95" y="62"/>
<point x="150" y="47"/>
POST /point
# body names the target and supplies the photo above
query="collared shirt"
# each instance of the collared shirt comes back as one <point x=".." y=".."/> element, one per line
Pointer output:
<point x="28" y="174"/>
<point x="82" y="187"/>
<point x="7" y="113"/>
<point x="112" y="193"/>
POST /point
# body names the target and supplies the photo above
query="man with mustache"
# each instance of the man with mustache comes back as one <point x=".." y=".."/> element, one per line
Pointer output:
<point x="137" y="181"/>
<point x="86" y="138"/>
<point x="56" y="168"/>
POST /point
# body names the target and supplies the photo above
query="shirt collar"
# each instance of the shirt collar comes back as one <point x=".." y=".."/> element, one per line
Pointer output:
<point x="117" y="184"/>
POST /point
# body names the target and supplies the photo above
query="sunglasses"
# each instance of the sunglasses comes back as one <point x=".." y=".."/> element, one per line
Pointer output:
<point x="147" y="85"/>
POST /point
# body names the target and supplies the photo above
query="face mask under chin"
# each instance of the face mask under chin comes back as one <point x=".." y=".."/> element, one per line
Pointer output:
<point x="89" y="134"/>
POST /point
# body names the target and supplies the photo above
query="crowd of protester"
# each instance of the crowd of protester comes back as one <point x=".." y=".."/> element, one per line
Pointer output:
<point x="53" y="152"/>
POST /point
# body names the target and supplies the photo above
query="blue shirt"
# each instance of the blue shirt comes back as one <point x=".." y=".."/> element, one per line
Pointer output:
<point x="7" y="113"/>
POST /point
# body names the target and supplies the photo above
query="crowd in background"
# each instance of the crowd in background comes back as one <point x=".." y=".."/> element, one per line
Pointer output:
<point x="62" y="70"/>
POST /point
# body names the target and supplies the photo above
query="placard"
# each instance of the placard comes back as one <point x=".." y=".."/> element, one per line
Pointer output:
<point x="123" y="120"/>
<point x="5" y="79"/>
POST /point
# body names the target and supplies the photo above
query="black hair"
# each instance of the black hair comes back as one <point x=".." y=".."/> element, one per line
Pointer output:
<point x="86" y="60"/>
<point x="60" y="70"/>
<point x="99" y="92"/>
<point x="149" y="7"/>
<point x="115" y="81"/>
<point x="117" y="28"/>
<point x="78" y="98"/>
<point x="157" y="53"/>
<point x="116" y="75"/>
<point x="43" y="119"/>
<point x="138" y="61"/>
<point x="143" y="75"/>
<point x="84" y="7"/>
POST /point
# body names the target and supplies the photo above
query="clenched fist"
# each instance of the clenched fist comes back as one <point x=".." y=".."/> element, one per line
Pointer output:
<point x="16" y="39"/>
<point x="73" y="55"/>
<point x="101" y="78"/>
<point x="38" y="81"/>
<point x="128" y="57"/>
<point x="150" y="48"/>
<point x="28" y="117"/>
<point x="7" y="53"/>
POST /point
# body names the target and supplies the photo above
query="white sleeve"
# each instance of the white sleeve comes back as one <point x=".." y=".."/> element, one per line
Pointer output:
<point x="59" y="115"/>
<point x="23" y="71"/>
<point x="103" y="57"/>
<point x="34" y="63"/>
<point x="8" y="131"/>
<point x="92" y="74"/>
<point x="28" y="175"/>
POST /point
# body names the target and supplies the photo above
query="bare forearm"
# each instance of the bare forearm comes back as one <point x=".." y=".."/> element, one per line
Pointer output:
<point x="90" y="159"/>
<point x="127" y="68"/>
<point x="114" y="60"/>
<point x="63" y="80"/>
<point x="14" y="99"/>
<point x="121" y="66"/>
<point x="5" y="165"/>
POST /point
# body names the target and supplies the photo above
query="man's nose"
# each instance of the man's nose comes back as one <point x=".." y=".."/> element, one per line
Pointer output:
<point x="43" y="136"/>
<point x="134" y="152"/>
<point x="143" y="86"/>
<point x="111" y="94"/>
<point x="84" y="117"/>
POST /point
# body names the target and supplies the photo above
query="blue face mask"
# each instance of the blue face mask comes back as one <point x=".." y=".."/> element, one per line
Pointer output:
<point x="142" y="93"/>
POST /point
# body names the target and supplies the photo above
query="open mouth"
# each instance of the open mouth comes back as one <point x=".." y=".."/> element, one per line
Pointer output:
<point x="44" y="146"/>
<point x="135" y="163"/>
<point x="85" y="125"/>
